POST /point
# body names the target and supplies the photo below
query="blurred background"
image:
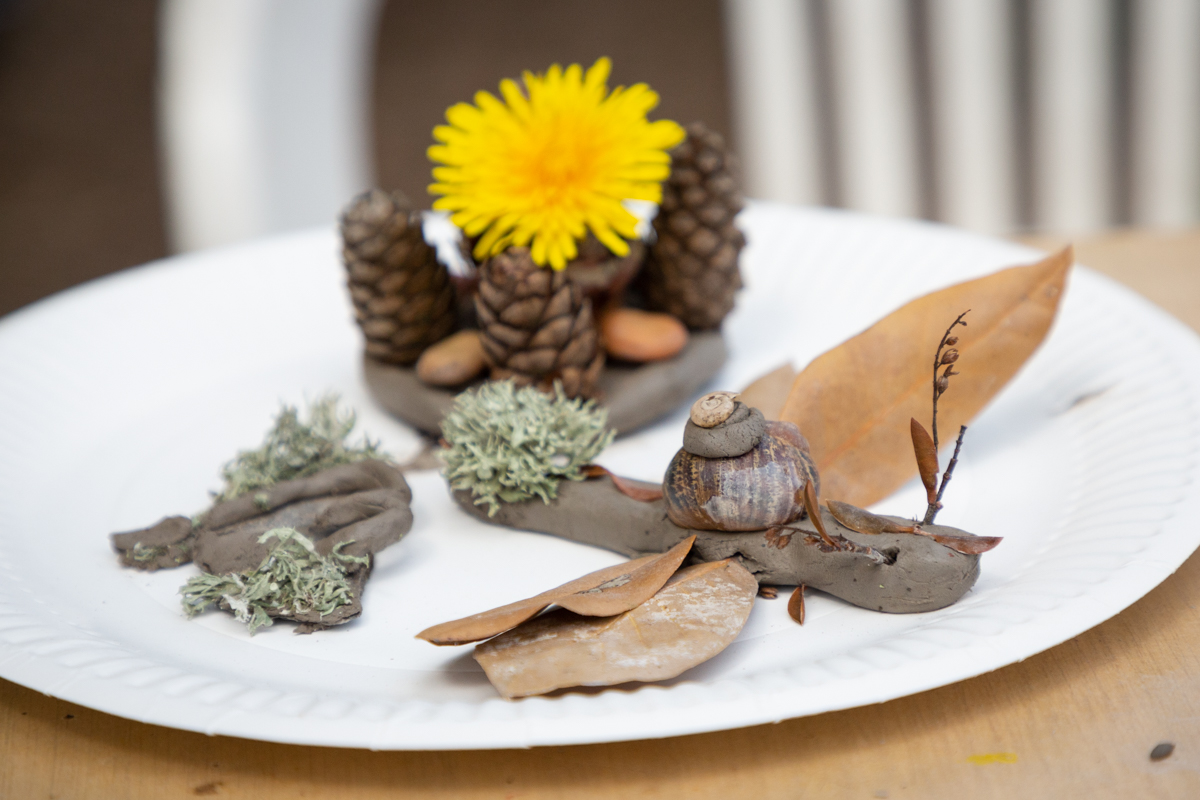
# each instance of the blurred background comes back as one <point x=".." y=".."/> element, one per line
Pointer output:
<point x="131" y="130"/>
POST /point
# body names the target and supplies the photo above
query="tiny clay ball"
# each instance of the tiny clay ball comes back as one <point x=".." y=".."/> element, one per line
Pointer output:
<point x="713" y="409"/>
<point x="733" y="437"/>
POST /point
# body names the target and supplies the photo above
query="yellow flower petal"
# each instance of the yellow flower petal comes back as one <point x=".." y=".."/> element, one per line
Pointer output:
<point x="542" y="166"/>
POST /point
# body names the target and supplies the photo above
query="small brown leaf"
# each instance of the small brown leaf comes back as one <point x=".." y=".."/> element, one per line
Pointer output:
<point x="851" y="402"/>
<point x="862" y="521"/>
<point x="627" y="486"/>
<point x="813" y="507"/>
<point x="927" y="459"/>
<point x="768" y="592"/>
<point x="777" y="538"/>
<point x="967" y="545"/>
<point x="695" y="616"/>
<point x="604" y="592"/>
<point x="769" y="392"/>
<point x="796" y="604"/>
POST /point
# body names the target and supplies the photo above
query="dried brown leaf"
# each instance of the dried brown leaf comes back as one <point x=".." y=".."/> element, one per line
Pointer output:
<point x="927" y="459"/>
<point x="643" y="493"/>
<point x="695" y="616"/>
<point x="851" y="402"/>
<point x="813" y="507"/>
<point x="777" y="538"/>
<point x="967" y="545"/>
<point x="608" y="591"/>
<point x="863" y="521"/>
<point x="769" y="392"/>
<point x="795" y="606"/>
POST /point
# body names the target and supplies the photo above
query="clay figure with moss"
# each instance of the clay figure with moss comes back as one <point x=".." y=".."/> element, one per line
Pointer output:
<point x="293" y="531"/>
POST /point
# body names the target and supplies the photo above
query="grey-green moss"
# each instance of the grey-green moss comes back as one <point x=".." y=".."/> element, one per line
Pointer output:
<point x="297" y="449"/>
<point x="294" y="577"/>
<point x="509" y="444"/>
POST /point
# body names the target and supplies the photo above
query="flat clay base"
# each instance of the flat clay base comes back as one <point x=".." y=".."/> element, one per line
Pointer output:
<point x="634" y="395"/>
<point x="921" y="575"/>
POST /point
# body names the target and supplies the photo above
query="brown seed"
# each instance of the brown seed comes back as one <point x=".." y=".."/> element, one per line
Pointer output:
<point x="452" y="361"/>
<point x="1162" y="750"/>
<point x="634" y="335"/>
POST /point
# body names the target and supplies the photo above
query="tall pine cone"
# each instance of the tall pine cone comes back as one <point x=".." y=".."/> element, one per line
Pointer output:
<point x="536" y="325"/>
<point x="403" y="297"/>
<point x="692" y="270"/>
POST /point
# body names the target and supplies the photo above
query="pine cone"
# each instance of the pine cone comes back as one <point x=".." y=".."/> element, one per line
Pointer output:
<point x="403" y="297"/>
<point x="692" y="270"/>
<point x="536" y="325"/>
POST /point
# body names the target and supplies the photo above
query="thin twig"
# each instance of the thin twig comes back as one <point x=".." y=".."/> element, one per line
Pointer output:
<point x="933" y="509"/>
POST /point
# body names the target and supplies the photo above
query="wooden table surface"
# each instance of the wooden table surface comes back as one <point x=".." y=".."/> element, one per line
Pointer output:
<point x="1078" y="720"/>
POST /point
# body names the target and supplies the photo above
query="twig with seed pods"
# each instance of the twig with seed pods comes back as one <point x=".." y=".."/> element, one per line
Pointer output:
<point x="945" y="356"/>
<point x="925" y="446"/>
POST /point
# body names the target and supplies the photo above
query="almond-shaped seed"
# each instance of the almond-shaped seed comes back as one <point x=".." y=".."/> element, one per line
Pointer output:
<point x="453" y="361"/>
<point x="631" y="334"/>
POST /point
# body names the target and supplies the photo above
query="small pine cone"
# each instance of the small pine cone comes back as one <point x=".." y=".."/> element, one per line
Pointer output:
<point x="537" y="326"/>
<point x="692" y="269"/>
<point x="403" y="297"/>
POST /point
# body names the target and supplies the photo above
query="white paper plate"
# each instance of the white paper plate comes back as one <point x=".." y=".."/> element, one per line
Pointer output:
<point x="119" y="400"/>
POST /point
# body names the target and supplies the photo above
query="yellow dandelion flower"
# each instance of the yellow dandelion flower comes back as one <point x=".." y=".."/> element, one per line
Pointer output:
<point x="543" y="166"/>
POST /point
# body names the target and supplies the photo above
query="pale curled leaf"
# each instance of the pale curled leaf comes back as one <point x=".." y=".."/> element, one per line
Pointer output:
<point x="695" y="616"/>
<point x="604" y="592"/>
<point x="854" y="401"/>
<point x="769" y="392"/>
<point x="927" y="459"/>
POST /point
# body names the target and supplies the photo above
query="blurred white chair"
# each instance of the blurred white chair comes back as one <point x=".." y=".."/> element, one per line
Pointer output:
<point x="264" y="114"/>
<point x="1083" y="157"/>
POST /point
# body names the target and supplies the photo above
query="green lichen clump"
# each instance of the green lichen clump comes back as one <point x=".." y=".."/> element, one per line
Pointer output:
<point x="297" y="449"/>
<point x="294" y="578"/>
<point x="509" y="444"/>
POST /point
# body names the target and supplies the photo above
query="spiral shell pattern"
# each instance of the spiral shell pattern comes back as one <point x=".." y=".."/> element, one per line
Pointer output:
<point x="750" y="492"/>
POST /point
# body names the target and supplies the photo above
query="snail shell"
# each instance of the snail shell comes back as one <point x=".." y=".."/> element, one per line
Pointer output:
<point x="759" y="489"/>
<point x="713" y="409"/>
